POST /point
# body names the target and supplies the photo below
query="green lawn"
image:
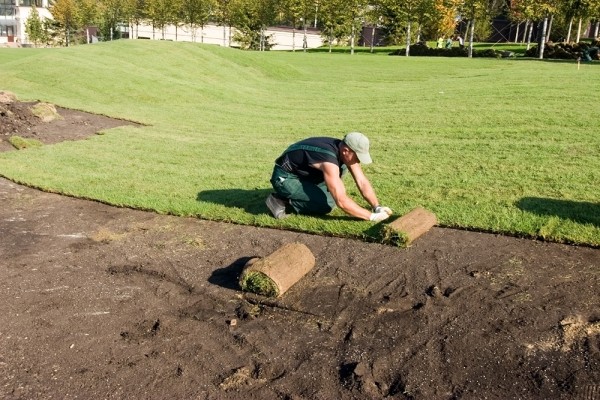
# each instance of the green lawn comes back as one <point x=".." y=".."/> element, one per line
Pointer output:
<point x="507" y="146"/>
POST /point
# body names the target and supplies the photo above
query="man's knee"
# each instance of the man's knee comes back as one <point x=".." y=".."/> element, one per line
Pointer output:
<point x="323" y="208"/>
<point x="312" y="207"/>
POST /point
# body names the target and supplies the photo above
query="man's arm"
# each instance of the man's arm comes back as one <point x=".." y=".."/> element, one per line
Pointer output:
<point x="331" y="172"/>
<point x="363" y="184"/>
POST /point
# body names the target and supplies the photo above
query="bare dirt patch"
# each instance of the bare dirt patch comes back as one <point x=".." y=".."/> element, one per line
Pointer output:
<point x="18" y="119"/>
<point x="104" y="302"/>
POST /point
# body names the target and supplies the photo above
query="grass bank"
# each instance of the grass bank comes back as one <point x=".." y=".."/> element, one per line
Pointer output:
<point x="506" y="146"/>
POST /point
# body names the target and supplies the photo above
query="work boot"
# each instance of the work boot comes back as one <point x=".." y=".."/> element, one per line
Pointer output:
<point x="276" y="206"/>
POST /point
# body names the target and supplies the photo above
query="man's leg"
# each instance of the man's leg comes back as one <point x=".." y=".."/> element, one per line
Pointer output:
<point x="303" y="196"/>
<point x="309" y="198"/>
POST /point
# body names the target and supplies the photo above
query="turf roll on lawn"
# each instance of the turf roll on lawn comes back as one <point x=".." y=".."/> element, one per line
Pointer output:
<point x="274" y="274"/>
<point x="403" y="231"/>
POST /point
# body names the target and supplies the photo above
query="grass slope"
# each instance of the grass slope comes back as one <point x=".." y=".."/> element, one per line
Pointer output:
<point x="507" y="146"/>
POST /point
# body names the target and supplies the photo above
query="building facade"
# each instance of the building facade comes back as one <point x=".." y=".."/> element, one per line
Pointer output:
<point x="13" y="16"/>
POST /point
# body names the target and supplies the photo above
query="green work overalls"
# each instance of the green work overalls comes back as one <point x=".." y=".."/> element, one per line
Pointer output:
<point x="305" y="197"/>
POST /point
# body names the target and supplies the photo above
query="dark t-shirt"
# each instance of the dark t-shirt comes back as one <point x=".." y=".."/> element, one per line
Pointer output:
<point x="299" y="162"/>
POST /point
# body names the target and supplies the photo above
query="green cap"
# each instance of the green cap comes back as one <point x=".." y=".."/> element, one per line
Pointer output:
<point x="359" y="143"/>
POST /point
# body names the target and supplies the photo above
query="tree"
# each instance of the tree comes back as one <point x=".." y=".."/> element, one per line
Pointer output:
<point x="334" y="20"/>
<point x="477" y="11"/>
<point x="87" y="14"/>
<point x="34" y="27"/>
<point x="134" y="12"/>
<point x="542" y="10"/>
<point x="112" y="13"/>
<point x="223" y="16"/>
<point x="293" y="12"/>
<point x="356" y="10"/>
<point x="159" y="14"/>
<point x="405" y="13"/>
<point x="65" y="13"/>
<point x="373" y="17"/>
<point x="196" y="14"/>
<point x="251" y="18"/>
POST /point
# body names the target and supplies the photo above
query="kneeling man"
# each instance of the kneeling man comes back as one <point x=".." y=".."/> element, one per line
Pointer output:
<point x="307" y="178"/>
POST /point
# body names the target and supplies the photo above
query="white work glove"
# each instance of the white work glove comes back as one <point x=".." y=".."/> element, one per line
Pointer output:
<point x="379" y="216"/>
<point x="379" y="209"/>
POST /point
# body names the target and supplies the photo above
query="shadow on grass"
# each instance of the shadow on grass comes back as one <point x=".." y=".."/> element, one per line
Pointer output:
<point x="250" y="200"/>
<point x="227" y="277"/>
<point x="556" y="61"/>
<point x="578" y="211"/>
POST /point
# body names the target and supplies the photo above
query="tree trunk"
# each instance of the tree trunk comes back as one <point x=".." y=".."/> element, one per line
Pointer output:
<point x="330" y="38"/>
<point x="578" y="31"/>
<point x="471" y="34"/>
<point x="517" y="33"/>
<point x="529" y="34"/>
<point x="224" y="36"/>
<point x="549" y="28"/>
<point x="294" y="38"/>
<point x="304" y="39"/>
<point x="596" y="29"/>
<point x="408" y="38"/>
<point x="569" y="30"/>
<point x="352" y="39"/>
<point x="372" y="37"/>
<point x="543" y="37"/>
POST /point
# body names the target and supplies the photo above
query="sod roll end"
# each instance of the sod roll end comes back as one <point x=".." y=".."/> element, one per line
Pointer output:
<point x="274" y="274"/>
<point x="403" y="231"/>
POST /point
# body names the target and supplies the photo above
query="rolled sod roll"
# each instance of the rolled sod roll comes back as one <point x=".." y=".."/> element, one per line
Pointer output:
<point x="403" y="231"/>
<point x="274" y="274"/>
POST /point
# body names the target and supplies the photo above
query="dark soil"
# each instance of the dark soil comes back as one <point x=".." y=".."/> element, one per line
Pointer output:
<point x="104" y="302"/>
<point x="16" y="118"/>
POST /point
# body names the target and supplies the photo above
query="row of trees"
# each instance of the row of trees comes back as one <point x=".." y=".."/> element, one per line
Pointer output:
<point x="340" y="21"/>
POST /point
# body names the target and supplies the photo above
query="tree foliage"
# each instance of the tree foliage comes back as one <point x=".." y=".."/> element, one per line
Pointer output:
<point x="34" y="27"/>
<point x="65" y="12"/>
<point x="340" y="21"/>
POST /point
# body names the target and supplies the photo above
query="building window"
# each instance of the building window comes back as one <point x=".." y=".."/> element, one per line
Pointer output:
<point x="7" y="30"/>
<point x="29" y="3"/>
<point x="7" y="8"/>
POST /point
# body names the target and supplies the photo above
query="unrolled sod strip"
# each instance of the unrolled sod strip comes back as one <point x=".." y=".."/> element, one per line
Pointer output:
<point x="274" y="274"/>
<point x="403" y="231"/>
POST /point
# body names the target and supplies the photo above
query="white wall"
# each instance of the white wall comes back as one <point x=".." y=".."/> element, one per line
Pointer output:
<point x="283" y="39"/>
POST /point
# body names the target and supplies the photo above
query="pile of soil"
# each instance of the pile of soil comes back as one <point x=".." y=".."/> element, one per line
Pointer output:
<point x="105" y="302"/>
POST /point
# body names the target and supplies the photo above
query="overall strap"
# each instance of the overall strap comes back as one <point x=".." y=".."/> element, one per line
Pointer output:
<point x="309" y="148"/>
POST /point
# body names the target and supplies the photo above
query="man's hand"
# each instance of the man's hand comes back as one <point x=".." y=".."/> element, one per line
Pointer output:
<point x="379" y="209"/>
<point x="379" y="216"/>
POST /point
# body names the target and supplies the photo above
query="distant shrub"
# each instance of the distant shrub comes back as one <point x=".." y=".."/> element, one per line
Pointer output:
<point x="421" y="49"/>
<point x="562" y="51"/>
